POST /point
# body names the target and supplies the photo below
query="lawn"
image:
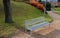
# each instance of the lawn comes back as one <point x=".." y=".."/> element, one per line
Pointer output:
<point x="20" y="12"/>
<point x="57" y="10"/>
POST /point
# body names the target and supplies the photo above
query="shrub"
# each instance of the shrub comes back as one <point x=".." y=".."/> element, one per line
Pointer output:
<point x="39" y="1"/>
<point x="40" y="6"/>
<point x="48" y="5"/>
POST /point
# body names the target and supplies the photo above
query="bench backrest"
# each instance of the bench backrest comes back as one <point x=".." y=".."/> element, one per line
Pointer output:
<point x="34" y="21"/>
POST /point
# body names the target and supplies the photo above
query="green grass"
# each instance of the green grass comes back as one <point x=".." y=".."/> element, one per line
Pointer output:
<point x="57" y="10"/>
<point x="25" y="11"/>
<point x="20" y="12"/>
<point x="6" y="29"/>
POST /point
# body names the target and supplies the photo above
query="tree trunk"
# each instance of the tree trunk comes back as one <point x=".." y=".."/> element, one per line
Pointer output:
<point x="7" y="10"/>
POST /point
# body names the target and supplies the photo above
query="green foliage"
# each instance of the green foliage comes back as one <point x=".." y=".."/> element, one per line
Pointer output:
<point x="39" y="1"/>
<point x="48" y="6"/>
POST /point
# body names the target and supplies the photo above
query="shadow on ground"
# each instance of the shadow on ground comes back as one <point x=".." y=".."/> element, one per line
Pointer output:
<point x="21" y="33"/>
<point x="50" y="35"/>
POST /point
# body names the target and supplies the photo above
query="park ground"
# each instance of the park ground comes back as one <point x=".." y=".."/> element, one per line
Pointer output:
<point x="24" y="12"/>
<point x="49" y="32"/>
<point x="20" y="12"/>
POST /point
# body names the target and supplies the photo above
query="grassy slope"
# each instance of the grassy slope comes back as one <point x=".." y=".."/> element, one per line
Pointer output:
<point x="25" y="11"/>
<point x="57" y="10"/>
<point x="5" y="29"/>
<point x="20" y="12"/>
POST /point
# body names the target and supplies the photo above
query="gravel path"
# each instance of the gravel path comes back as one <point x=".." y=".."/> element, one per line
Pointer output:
<point x="54" y="15"/>
<point x="56" y="19"/>
<point x="53" y="34"/>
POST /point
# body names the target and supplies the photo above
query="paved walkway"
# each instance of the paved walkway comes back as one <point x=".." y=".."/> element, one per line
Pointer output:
<point x="56" y="19"/>
<point x="54" y="15"/>
<point x="45" y="33"/>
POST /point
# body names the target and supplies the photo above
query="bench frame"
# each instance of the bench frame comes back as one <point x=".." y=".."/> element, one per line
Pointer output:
<point x="39" y="18"/>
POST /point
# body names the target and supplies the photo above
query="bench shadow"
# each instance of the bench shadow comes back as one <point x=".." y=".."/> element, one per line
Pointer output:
<point x="36" y="34"/>
<point x="50" y="35"/>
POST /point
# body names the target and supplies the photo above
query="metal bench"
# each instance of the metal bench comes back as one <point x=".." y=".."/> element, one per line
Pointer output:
<point x="34" y="24"/>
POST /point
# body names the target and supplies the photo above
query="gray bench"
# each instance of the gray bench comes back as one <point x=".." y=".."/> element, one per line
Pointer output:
<point x="34" y="24"/>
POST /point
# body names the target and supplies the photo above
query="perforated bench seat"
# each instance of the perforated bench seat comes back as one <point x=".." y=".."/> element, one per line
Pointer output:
<point x="36" y="23"/>
<point x="36" y="26"/>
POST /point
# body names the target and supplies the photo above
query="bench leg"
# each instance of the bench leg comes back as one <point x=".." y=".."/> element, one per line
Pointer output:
<point x="49" y="26"/>
<point x="30" y="32"/>
<point x="25" y="30"/>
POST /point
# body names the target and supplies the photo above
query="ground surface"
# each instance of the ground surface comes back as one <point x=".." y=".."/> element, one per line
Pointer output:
<point x="52" y="32"/>
<point x="20" y="12"/>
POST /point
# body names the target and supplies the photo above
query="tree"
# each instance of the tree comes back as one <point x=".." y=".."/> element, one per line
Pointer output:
<point x="7" y="10"/>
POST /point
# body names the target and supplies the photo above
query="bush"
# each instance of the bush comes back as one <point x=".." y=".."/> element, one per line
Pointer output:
<point x="39" y="1"/>
<point x="48" y="5"/>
